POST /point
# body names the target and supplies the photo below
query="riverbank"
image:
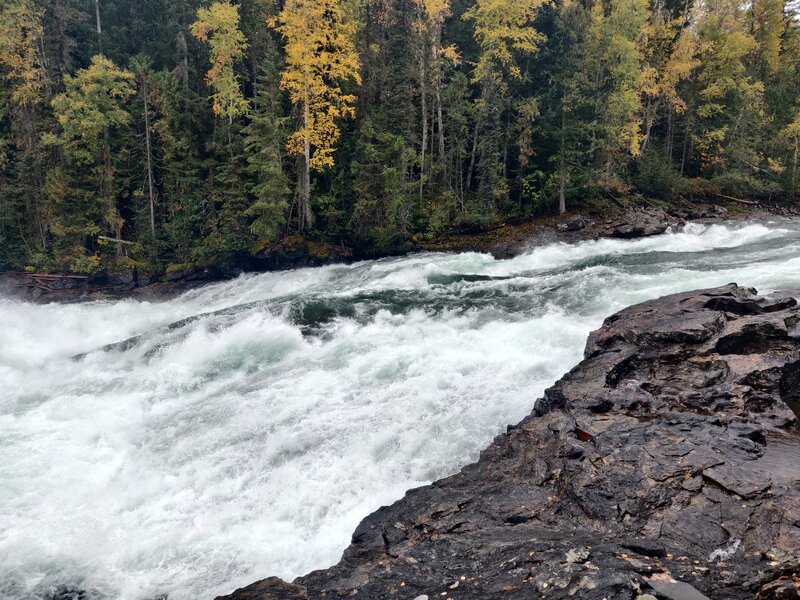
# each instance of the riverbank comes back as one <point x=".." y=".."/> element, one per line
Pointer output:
<point x="633" y="220"/>
<point x="665" y="465"/>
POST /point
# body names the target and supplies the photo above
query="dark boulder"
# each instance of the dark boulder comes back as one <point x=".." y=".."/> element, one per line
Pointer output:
<point x="575" y="223"/>
<point x="665" y="465"/>
<point x="639" y="223"/>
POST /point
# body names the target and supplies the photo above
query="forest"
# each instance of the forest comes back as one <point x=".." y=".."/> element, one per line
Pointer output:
<point x="162" y="133"/>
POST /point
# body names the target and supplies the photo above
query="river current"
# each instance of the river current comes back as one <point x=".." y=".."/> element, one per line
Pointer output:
<point x="243" y="429"/>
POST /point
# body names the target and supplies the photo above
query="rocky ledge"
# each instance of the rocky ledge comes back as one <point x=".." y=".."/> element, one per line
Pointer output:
<point x="665" y="465"/>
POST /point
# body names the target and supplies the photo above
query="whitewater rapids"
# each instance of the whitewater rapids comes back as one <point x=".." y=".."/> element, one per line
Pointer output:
<point x="243" y="429"/>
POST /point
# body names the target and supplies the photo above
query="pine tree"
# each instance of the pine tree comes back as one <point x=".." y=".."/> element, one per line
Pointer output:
<point x="177" y="128"/>
<point x="263" y="137"/>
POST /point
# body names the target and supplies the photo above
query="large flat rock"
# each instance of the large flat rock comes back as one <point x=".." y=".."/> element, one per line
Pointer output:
<point x="666" y="463"/>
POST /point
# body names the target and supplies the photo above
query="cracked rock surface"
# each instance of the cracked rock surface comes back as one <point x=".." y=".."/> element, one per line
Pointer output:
<point x="665" y="465"/>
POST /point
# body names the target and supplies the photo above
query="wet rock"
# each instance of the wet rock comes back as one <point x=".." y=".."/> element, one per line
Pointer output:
<point x="639" y="223"/>
<point x="664" y="465"/>
<point x="575" y="223"/>
<point x="668" y="587"/>
<point x="271" y="588"/>
<point x="127" y="277"/>
<point x="790" y="384"/>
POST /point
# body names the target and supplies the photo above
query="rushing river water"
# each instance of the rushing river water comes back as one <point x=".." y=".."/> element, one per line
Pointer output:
<point x="244" y="428"/>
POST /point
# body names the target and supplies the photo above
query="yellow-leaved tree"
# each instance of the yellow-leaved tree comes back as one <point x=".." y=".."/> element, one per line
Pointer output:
<point x="219" y="26"/>
<point x="618" y="37"/>
<point x="671" y="57"/>
<point x="728" y="92"/>
<point x="320" y="58"/>
<point x="502" y="28"/>
<point x="20" y="39"/>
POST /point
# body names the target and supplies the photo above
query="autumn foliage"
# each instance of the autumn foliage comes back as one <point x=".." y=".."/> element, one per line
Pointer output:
<point x="196" y="130"/>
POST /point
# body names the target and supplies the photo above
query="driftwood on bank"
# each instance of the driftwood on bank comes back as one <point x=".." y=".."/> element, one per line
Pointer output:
<point x="44" y="281"/>
<point x="615" y="199"/>
<point x="739" y="200"/>
<point x="43" y="276"/>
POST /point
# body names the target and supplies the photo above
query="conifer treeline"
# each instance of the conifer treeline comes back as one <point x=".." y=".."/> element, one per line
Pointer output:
<point x="150" y="132"/>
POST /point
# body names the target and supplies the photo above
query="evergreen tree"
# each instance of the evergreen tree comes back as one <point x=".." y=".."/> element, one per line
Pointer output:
<point x="504" y="32"/>
<point x="263" y="140"/>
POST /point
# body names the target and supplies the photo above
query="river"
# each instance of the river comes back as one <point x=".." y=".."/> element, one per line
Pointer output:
<point x="243" y="429"/>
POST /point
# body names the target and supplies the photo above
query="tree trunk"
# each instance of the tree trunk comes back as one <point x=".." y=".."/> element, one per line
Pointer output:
<point x="794" y="164"/>
<point x="99" y="27"/>
<point x="440" y="119"/>
<point x="149" y="156"/>
<point x="424" y="125"/>
<point x="474" y="155"/>
<point x="505" y="144"/>
<point x="650" y="115"/>
<point x="108" y="191"/>
<point x="562" y="184"/>
<point x="670" y="135"/>
<point x="432" y="133"/>
<point x="183" y="68"/>
<point x="685" y="143"/>
<point x="437" y="61"/>
<point x="306" y="215"/>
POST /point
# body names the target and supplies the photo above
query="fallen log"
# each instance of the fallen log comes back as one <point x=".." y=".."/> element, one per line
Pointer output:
<point x="105" y="238"/>
<point x="614" y="199"/>
<point x="748" y="202"/>
<point x="44" y="276"/>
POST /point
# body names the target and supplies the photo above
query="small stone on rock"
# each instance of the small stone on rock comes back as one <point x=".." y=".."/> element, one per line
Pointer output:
<point x="578" y="555"/>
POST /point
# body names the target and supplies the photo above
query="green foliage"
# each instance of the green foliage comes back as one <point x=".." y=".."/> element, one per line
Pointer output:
<point x="86" y="190"/>
<point x="727" y="90"/>
<point x="467" y="114"/>
<point x="655" y="175"/>
<point x="267" y="182"/>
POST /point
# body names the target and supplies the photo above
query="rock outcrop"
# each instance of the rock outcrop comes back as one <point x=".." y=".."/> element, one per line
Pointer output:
<point x="665" y="465"/>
